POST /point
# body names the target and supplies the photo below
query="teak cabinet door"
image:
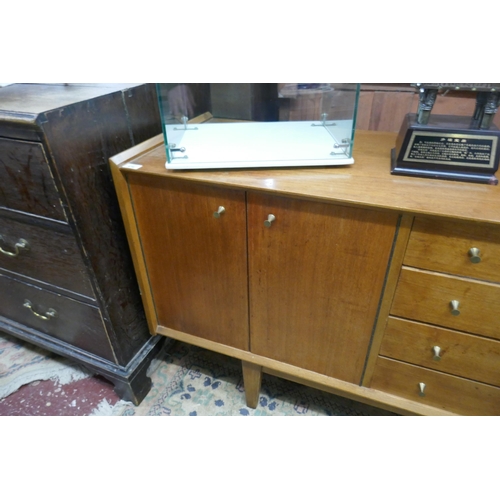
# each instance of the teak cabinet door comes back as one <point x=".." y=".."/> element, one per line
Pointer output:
<point x="316" y="276"/>
<point x="197" y="262"/>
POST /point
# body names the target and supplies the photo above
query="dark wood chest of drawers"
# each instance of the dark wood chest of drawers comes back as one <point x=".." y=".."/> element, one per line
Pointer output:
<point x="66" y="275"/>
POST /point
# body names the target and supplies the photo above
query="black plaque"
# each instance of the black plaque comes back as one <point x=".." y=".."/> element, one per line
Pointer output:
<point x="446" y="148"/>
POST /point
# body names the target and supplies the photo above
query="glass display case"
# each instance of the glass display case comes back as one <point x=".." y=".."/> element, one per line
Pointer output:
<point x="236" y="125"/>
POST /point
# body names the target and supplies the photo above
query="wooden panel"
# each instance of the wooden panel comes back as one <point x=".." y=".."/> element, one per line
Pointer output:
<point x="455" y="103"/>
<point x="389" y="110"/>
<point x="461" y="354"/>
<point x="51" y="256"/>
<point x="316" y="277"/>
<point x="388" y="104"/>
<point x="367" y="183"/>
<point x="141" y="105"/>
<point x="26" y="183"/>
<point x="443" y="391"/>
<point x="78" y="324"/>
<point x="83" y="137"/>
<point x="127" y="211"/>
<point x="196" y="263"/>
<point x="364" y="110"/>
<point x="444" y="246"/>
<point x="426" y="297"/>
<point x="403" y="233"/>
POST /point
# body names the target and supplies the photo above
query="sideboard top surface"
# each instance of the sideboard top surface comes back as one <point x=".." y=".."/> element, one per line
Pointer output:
<point x="368" y="182"/>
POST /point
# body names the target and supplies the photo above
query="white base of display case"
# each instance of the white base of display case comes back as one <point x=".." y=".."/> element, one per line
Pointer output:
<point x="256" y="144"/>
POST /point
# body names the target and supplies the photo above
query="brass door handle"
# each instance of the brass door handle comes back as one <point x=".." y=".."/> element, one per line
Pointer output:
<point x="454" y="307"/>
<point x="437" y="353"/>
<point x="269" y="220"/>
<point x="20" y="245"/>
<point x="474" y="255"/>
<point x="51" y="313"/>
<point x="219" y="212"/>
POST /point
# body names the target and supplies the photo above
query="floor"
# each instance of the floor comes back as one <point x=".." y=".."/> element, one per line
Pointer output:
<point x="48" y="398"/>
<point x="84" y="396"/>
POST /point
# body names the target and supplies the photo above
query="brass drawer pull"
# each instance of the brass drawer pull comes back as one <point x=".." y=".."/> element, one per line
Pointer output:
<point x="269" y="220"/>
<point x="51" y="313"/>
<point x="20" y="245"/>
<point x="454" y="307"/>
<point x="421" y="387"/>
<point x="474" y="255"/>
<point x="437" y="353"/>
<point x="219" y="212"/>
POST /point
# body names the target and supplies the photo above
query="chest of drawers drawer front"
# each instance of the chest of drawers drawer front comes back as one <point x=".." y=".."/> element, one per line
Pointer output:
<point x="26" y="183"/>
<point x="60" y="317"/>
<point x="43" y="254"/>
<point x="456" y="353"/>
<point x="448" y="247"/>
<point x="427" y="297"/>
<point x="448" y="392"/>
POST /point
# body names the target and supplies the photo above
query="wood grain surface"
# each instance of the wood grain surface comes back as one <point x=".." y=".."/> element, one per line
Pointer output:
<point x="461" y="354"/>
<point x="196" y="263"/>
<point x="316" y="276"/>
<point x="26" y="182"/>
<point x="444" y="246"/>
<point x="368" y="182"/>
<point x="448" y="392"/>
<point x="426" y="296"/>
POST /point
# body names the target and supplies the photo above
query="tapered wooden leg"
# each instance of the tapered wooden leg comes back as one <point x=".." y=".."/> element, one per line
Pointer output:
<point x="252" y="378"/>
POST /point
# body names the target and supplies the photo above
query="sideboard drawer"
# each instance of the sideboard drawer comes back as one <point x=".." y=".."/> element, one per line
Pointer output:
<point x="427" y="297"/>
<point x="43" y="254"/>
<point x="71" y="321"/>
<point x="448" y="247"/>
<point x="26" y="182"/>
<point x="443" y="350"/>
<point x="448" y="392"/>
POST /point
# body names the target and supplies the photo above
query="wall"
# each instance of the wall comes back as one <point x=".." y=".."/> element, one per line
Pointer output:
<point x="384" y="106"/>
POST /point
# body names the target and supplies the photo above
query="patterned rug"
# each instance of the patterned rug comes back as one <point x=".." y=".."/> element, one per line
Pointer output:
<point x="190" y="381"/>
<point x="22" y="363"/>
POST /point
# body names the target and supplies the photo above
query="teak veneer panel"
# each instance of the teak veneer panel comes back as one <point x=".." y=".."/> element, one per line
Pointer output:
<point x="461" y="354"/>
<point x="444" y="247"/>
<point x="448" y="392"/>
<point x="426" y="296"/>
<point x="316" y="276"/>
<point x="196" y="263"/>
<point x="367" y="182"/>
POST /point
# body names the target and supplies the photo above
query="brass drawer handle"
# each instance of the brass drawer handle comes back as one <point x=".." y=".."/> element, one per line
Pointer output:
<point x="20" y="245"/>
<point x="219" y="212"/>
<point x="269" y="220"/>
<point x="454" y="307"/>
<point x="474" y="255"/>
<point x="437" y="353"/>
<point x="421" y="387"/>
<point x="51" y="313"/>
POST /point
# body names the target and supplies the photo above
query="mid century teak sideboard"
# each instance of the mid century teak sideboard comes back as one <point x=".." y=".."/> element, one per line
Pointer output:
<point x="380" y="288"/>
